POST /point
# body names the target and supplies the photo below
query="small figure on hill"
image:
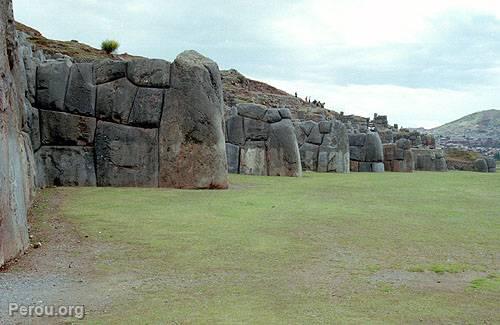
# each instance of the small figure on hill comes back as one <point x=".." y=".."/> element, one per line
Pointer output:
<point x="295" y="94"/>
<point x="109" y="46"/>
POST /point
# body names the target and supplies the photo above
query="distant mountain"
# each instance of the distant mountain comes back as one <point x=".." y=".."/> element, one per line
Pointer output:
<point x="479" y="132"/>
<point x="482" y="124"/>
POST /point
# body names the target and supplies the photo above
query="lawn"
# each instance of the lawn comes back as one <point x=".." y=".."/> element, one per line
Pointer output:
<point x="324" y="248"/>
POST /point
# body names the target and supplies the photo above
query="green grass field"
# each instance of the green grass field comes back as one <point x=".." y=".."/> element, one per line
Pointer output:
<point x="324" y="248"/>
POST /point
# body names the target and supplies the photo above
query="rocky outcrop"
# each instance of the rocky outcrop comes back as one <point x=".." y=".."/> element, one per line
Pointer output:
<point x="261" y="141"/>
<point x="323" y="146"/>
<point x="191" y="136"/>
<point x="17" y="168"/>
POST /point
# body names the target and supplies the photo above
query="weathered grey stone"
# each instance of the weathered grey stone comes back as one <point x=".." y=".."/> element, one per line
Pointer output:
<point x="67" y="166"/>
<point x="147" y="108"/>
<point x="357" y="139"/>
<point x="307" y="126"/>
<point x="378" y="167"/>
<point x="256" y="130"/>
<point x="283" y="157"/>
<point x="52" y="79"/>
<point x="109" y="70"/>
<point x="408" y="165"/>
<point x="34" y="128"/>
<point x="16" y="174"/>
<point x="480" y="165"/>
<point x="315" y="137"/>
<point x="149" y="72"/>
<point x="272" y="116"/>
<point x="235" y="130"/>
<point x="126" y="156"/>
<point x="386" y="136"/>
<point x="309" y="156"/>
<point x="325" y="127"/>
<point x="491" y="162"/>
<point x="64" y="129"/>
<point x="300" y="134"/>
<point x="115" y="100"/>
<point x="440" y="165"/>
<point x="253" y="159"/>
<point x="285" y="113"/>
<point x="233" y="158"/>
<point x="253" y="111"/>
<point x="365" y="167"/>
<point x="326" y="159"/>
<point x="373" y="148"/>
<point x="192" y="146"/>
<point x="357" y="153"/>
<point x="80" y="96"/>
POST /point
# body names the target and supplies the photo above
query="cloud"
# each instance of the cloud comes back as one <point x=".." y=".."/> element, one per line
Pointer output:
<point x="360" y="54"/>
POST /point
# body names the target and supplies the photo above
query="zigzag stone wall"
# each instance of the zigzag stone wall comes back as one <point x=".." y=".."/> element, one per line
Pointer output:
<point x="261" y="141"/>
<point x="323" y="146"/>
<point x="146" y="123"/>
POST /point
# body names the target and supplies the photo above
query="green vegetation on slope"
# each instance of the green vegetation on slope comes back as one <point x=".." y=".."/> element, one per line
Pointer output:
<point x="324" y="248"/>
<point x="480" y="124"/>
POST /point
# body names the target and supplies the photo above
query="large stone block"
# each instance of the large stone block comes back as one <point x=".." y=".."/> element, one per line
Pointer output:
<point x="256" y="130"/>
<point x="365" y="167"/>
<point x="283" y="157"/>
<point x="357" y="139"/>
<point x="34" y="128"/>
<point x="378" y="167"/>
<point x="326" y="159"/>
<point x="52" y="79"/>
<point x="66" y="166"/>
<point x="354" y="166"/>
<point x="309" y="156"/>
<point x="109" y="70"/>
<point x="253" y="159"/>
<point x="253" y="111"/>
<point x="115" y="100"/>
<point x="192" y="146"/>
<point x="307" y="126"/>
<point x="285" y="113"/>
<point x="480" y="165"/>
<point x="373" y="148"/>
<point x="147" y="108"/>
<point x="149" y="72"/>
<point x="235" y="130"/>
<point x="357" y="153"/>
<point x="389" y="149"/>
<point x="300" y="134"/>
<point x="315" y="137"/>
<point x="233" y="158"/>
<point x="80" y="96"/>
<point x="64" y="129"/>
<point x="126" y="156"/>
<point x="325" y="127"/>
<point x="272" y="116"/>
<point x="492" y="165"/>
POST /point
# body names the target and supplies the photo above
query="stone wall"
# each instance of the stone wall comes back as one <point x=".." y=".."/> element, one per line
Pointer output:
<point x="17" y="168"/>
<point x="398" y="156"/>
<point x="146" y="123"/>
<point x="429" y="159"/>
<point x="323" y="146"/>
<point x="261" y="141"/>
<point x="366" y="152"/>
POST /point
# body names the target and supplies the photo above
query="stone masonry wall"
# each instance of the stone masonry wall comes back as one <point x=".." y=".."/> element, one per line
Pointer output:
<point x="16" y="155"/>
<point x="323" y="146"/>
<point x="102" y="123"/>
<point x="261" y="141"/>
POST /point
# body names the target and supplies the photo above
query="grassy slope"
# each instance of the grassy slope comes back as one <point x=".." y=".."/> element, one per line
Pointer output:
<point x="287" y="250"/>
<point x="486" y="121"/>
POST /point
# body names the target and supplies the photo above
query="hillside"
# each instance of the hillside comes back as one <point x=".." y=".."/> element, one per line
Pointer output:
<point x="479" y="132"/>
<point x="480" y="124"/>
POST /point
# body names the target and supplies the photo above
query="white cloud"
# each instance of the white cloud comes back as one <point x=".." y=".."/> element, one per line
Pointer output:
<point x="411" y="107"/>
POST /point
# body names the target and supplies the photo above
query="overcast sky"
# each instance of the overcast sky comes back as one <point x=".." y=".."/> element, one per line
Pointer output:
<point x="423" y="62"/>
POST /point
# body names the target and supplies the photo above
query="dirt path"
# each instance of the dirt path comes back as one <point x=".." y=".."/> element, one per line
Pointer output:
<point x="60" y="272"/>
